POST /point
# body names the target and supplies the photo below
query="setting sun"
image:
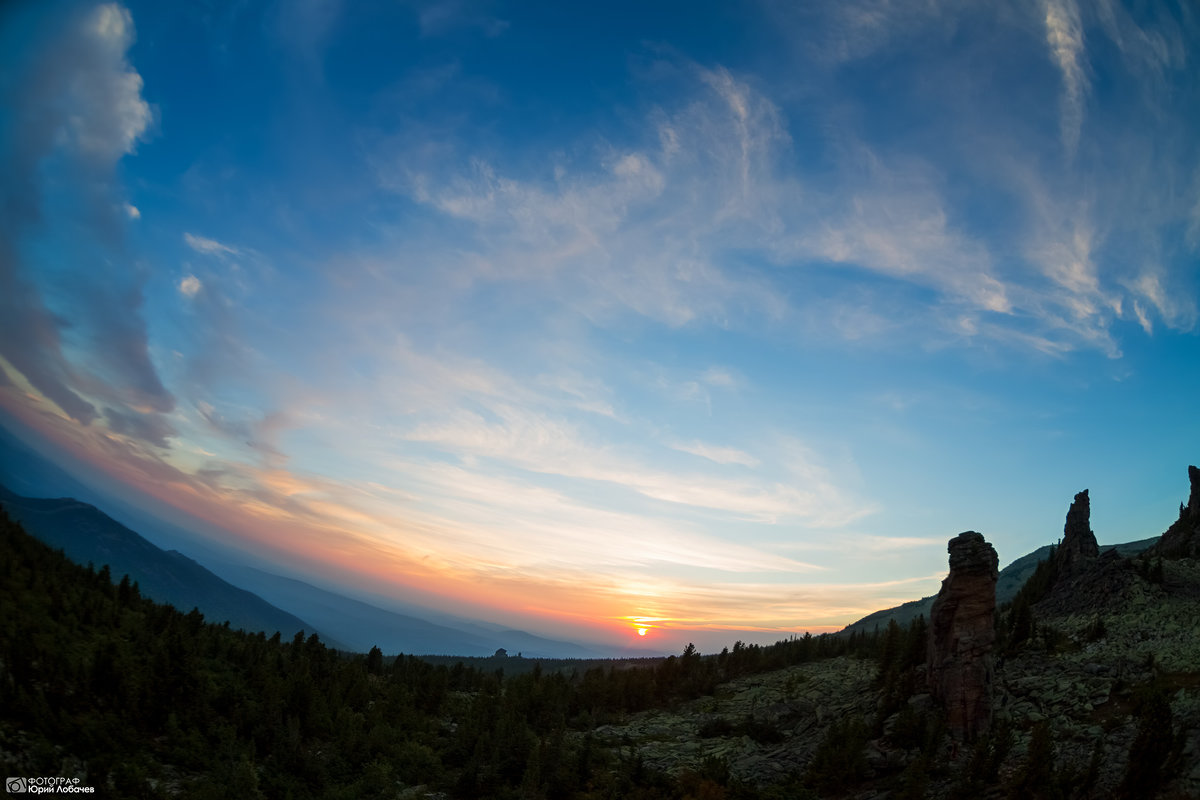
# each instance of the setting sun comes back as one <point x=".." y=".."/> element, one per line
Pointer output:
<point x="643" y="624"/>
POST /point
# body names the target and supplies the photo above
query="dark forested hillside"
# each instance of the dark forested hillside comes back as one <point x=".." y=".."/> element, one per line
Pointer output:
<point x="139" y="699"/>
<point x="88" y="535"/>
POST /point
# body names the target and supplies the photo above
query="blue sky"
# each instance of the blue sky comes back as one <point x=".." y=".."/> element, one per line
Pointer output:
<point x="723" y="319"/>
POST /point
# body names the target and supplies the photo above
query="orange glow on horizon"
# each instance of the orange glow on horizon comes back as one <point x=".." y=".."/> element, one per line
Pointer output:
<point x="320" y="528"/>
<point x="642" y="625"/>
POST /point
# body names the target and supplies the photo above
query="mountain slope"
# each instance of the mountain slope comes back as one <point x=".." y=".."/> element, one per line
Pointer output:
<point x="363" y="626"/>
<point x="87" y="534"/>
<point x="27" y="473"/>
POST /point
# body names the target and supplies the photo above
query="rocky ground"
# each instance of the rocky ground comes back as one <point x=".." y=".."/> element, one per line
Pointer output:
<point x="1080" y="679"/>
<point x="764" y="727"/>
<point x="1085" y="685"/>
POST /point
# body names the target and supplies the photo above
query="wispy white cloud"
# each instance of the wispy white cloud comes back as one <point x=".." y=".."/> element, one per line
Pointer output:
<point x="633" y="231"/>
<point x="752" y="134"/>
<point x="1142" y="318"/>
<point x="1152" y="48"/>
<point x="586" y="393"/>
<point x="1176" y="311"/>
<point x="208" y="246"/>
<point x="529" y="526"/>
<point x="561" y="426"/>
<point x="542" y="444"/>
<point x="1064" y="38"/>
<point x="648" y="229"/>
<point x="1075" y="306"/>
<point x="894" y="221"/>
<point x="1082" y="223"/>
<point x="717" y="454"/>
<point x="858" y="29"/>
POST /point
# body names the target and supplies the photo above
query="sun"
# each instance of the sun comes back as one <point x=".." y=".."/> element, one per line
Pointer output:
<point x="643" y="625"/>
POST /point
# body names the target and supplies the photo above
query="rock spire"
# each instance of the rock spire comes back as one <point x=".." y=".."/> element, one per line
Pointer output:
<point x="1079" y="544"/>
<point x="1193" y="505"/>
<point x="962" y="634"/>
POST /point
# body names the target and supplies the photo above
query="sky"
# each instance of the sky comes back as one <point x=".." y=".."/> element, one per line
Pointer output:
<point x="699" y="321"/>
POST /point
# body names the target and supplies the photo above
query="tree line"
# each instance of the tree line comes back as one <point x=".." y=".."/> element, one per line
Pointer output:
<point x="145" y="700"/>
<point x="142" y="700"/>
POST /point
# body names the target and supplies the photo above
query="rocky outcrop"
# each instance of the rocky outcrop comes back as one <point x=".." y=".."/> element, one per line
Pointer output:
<point x="1182" y="539"/>
<point x="962" y="634"/>
<point x="1105" y="585"/>
<point x="1079" y="546"/>
<point x="1193" y="505"/>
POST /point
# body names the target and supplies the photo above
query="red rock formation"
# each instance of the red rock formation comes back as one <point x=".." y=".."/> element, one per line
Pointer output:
<point x="962" y="633"/>
<point x="1079" y="544"/>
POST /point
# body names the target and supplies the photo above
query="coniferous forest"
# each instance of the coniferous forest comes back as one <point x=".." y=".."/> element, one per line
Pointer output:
<point x="141" y="700"/>
<point x="138" y="699"/>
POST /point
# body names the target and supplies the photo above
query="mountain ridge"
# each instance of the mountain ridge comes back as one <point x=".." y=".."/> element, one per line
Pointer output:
<point x="45" y="485"/>
<point x="364" y="625"/>
<point x="88" y="535"/>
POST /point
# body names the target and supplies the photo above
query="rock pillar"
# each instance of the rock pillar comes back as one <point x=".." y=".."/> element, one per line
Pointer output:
<point x="1193" y="505"/>
<point x="962" y="633"/>
<point x="1079" y="544"/>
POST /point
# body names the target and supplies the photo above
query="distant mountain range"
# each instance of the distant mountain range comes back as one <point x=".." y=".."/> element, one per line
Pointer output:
<point x="87" y="534"/>
<point x="1010" y="581"/>
<point x="27" y="473"/>
<point x="363" y="626"/>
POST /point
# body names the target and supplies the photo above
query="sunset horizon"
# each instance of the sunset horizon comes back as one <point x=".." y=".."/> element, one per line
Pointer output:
<point x="626" y="327"/>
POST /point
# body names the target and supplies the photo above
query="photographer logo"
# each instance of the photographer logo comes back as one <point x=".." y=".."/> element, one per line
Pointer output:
<point x="47" y="785"/>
